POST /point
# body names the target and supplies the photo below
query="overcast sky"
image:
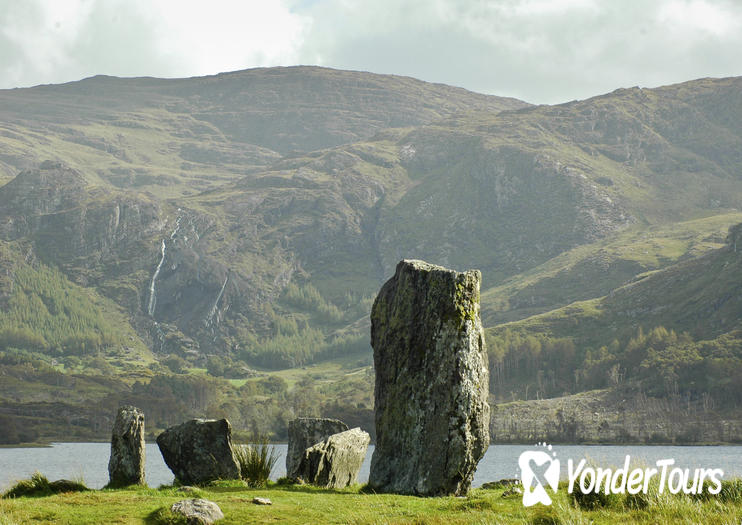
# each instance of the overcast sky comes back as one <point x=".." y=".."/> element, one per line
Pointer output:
<point x="542" y="51"/>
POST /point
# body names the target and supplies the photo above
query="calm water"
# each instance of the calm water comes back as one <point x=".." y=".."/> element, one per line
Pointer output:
<point x="90" y="461"/>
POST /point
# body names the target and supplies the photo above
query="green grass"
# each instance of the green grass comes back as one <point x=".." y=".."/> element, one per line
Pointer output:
<point x="303" y="504"/>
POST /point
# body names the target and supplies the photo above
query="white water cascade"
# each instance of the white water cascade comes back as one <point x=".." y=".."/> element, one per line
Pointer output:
<point x="152" y="291"/>
<point x="212" y="312"/>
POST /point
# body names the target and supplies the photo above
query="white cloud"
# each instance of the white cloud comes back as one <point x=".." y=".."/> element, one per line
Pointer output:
<point x="697" y="17"/>
<point x="45" y="41"/>
<point x="538" y="50"/>
<point x="224" y="35"/>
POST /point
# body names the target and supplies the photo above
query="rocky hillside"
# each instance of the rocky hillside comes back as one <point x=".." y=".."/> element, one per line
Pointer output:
<point x="614" y="417"/>
<point x="245" y="221"/>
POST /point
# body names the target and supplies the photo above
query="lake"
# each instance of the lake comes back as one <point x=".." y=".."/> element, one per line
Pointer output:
<point x="89" y="461"/>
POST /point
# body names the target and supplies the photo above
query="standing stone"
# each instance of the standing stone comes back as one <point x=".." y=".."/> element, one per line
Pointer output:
<point x="126" y="466"/>
<point x="432" y="383"/>
<point x="335" y="462"/>
<point x="199" y="451"/>
<point x="305" y="432"/>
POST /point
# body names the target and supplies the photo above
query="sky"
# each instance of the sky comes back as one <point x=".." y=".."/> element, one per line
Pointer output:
<point x="541" y="51"/>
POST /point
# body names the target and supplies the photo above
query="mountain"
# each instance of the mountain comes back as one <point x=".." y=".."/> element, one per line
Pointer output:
<point x="243" y="223"/>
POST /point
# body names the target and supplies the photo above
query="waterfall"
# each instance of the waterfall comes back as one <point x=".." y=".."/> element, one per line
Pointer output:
<point x="152" y="292"/>
<point x="212" y="312"/>
<point x="160" y="336"/>
<point x="177" y="226"/>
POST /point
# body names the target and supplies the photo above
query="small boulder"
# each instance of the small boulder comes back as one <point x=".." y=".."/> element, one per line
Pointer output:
<point x="199" y="451"/>
<point x="198" y="511"/>
<point x="513" y="492"/>
<point x="500" y="484"/>
<point x="305" y="432"/>
<point x="126" y="466"/>
<point x="261" y="501"/>
<point x="336" y="461"/>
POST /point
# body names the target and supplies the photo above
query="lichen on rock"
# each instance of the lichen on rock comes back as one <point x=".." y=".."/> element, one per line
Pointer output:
<point x="126" y="465"/>
<point x="432" y="381"/>
<point x="336" y="461"/>
<point x="199" y="451"/>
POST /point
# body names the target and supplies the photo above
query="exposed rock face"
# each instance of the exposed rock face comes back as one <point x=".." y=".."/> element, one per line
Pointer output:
<point x="305" y="432"/>
<point x="612" y="416"/>
<point x="199" y="451"/>
<point x="198" y="511"/>
<point x="126" y="466"/>
<point x="336" y="461"/>
<point x="431" y="391"/>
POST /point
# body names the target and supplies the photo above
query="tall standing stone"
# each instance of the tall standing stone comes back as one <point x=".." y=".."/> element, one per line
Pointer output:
<point x="199" y="451"/>
<point x="305" y="432"/>
<point x="126" y="466"/>
<point x="432" y="383"/>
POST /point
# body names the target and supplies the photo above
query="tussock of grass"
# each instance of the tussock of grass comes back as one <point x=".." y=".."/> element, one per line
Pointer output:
<point x="256" y="462"/>
<point x="38" y="485"/>
<point x="731" y="492"/>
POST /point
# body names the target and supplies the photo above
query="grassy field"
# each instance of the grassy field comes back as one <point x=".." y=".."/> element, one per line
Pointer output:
<point x="303" y="504"/>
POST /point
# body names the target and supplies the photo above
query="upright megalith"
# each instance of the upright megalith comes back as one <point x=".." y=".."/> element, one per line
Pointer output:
<point x="335" y="462"/>
<point x="199" y="451"/>
<point x="126" y="466"/>
<point x="305" y="432"/>
<point x="431" y="389"/>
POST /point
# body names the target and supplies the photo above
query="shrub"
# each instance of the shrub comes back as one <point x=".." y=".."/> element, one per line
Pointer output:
<point x="256" y="462"/>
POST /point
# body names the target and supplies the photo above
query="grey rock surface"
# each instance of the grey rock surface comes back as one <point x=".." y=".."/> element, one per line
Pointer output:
<point x="305" y="432"/>
<point x="199" y="451"/>
<point x="432" y="381"/>
<point x="336" y="461"/>
<point x="126" y="465"/>
<point x="198" y="511"/>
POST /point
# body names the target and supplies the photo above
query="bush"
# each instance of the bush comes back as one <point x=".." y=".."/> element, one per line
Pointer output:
<point x="256" y="463"/>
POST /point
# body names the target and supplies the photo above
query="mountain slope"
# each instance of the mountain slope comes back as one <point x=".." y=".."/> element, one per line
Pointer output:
<point x="702" y="296"/>
<point x="145" y="131"/>
<point x="244" y="222"/>
<point x="504" y="191"/>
